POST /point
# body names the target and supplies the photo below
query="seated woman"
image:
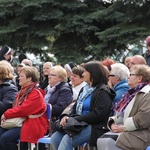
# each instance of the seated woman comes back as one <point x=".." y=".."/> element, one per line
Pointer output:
<point x="131" y="121"/>
<point x="8" y="90"/>
<point x="93" y="107"/>
<point x="118" y="80"/>
<point x="59" y="92"/>
<point x="77" y="81"/>
<point x="29" y="101"/>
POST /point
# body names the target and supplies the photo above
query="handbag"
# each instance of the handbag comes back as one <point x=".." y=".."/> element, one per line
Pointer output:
<point x="17" y="122"/>
<point x="12" y="123"/>
<point x="72" y="126"/>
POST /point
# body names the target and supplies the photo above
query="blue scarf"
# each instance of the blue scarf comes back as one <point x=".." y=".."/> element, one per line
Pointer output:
<point x="87" y="90"/>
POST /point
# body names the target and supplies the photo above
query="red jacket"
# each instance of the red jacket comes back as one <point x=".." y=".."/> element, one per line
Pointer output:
<point x="33" y="128"/>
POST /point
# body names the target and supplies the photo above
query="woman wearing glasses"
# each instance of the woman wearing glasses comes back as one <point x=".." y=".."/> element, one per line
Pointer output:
<point x="118" y="80"/>
<point x="130" y="127"/>
<point x="59" y="93"/>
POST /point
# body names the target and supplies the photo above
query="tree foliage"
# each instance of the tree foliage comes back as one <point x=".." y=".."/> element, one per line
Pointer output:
<point x="73" y="30"/>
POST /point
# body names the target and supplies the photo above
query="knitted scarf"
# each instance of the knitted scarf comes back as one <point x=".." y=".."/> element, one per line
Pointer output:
<point x="125" y="100"/>
<point x="23" y="93"/>
<point x="87" y="90"/>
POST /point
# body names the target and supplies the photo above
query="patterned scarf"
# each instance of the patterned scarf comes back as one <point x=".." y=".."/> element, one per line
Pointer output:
<point x="23" y="93"/>
<point x="125" y="100"/>
<point x="87" y="90"/>
<point x="49" y="91"/>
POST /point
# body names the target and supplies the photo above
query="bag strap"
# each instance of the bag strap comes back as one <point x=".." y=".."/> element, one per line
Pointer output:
<point x="36" y="116"/>
<point x="39" y="115"/>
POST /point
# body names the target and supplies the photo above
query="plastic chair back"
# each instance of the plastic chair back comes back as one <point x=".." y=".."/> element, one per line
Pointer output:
<point x="148" y="148"/>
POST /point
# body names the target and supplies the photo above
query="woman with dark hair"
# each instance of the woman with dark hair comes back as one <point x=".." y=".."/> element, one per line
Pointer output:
<point x="93" y="107"/>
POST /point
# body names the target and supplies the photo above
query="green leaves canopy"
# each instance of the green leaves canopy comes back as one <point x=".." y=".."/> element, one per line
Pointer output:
<point x="73" y="30"/>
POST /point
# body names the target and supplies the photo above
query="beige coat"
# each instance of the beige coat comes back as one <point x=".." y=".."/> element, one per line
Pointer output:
<point x="137" y="123"/>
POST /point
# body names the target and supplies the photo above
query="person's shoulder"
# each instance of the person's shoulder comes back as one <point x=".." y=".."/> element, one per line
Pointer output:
<point x="65" y="85"/>
<point x="121" y="85"/>
<point x="106" y="89"/>
<point x="9" y="83"/>
<point x="38" y="91"/>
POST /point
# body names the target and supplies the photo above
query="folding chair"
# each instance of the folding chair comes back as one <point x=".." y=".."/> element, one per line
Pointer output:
<point x="46" y="138"/>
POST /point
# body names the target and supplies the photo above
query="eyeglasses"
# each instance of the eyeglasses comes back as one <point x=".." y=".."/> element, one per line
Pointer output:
<point x="134" y="74"/>
<point x="111" y="75"/>
<point x="53" y="75"/>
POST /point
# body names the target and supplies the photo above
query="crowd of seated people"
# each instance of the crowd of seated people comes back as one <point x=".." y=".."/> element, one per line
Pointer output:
<point x="110" y="97"/>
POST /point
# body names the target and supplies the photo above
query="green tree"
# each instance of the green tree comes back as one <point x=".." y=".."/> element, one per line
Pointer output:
<point x="73" y="30"/>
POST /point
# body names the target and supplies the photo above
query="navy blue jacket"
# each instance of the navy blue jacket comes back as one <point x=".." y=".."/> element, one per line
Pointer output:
<point x="8" y="91"/>
<point x="60" y="98"/>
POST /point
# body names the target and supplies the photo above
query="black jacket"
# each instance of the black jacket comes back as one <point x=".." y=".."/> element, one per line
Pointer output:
<point x="100" y="110"/>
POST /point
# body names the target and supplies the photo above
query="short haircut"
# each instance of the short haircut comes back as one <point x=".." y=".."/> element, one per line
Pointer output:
<point x="31" y="72"/>
<point x="120" y="70"/>
<point x="78" y="71"/>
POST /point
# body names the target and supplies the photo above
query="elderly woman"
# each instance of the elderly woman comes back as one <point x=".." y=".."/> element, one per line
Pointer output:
<point x="29" y="101"/>
<point x="118" y="80"/>
<point x="93" y="107"/>
<point x="59" y="93"/>
<point x="131" y="121"/>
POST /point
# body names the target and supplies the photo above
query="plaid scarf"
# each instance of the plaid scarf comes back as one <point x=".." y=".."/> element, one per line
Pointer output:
<point x="125" y="100"/>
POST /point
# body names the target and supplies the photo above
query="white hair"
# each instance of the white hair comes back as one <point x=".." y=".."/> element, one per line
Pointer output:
<point x="120" y="70"/>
